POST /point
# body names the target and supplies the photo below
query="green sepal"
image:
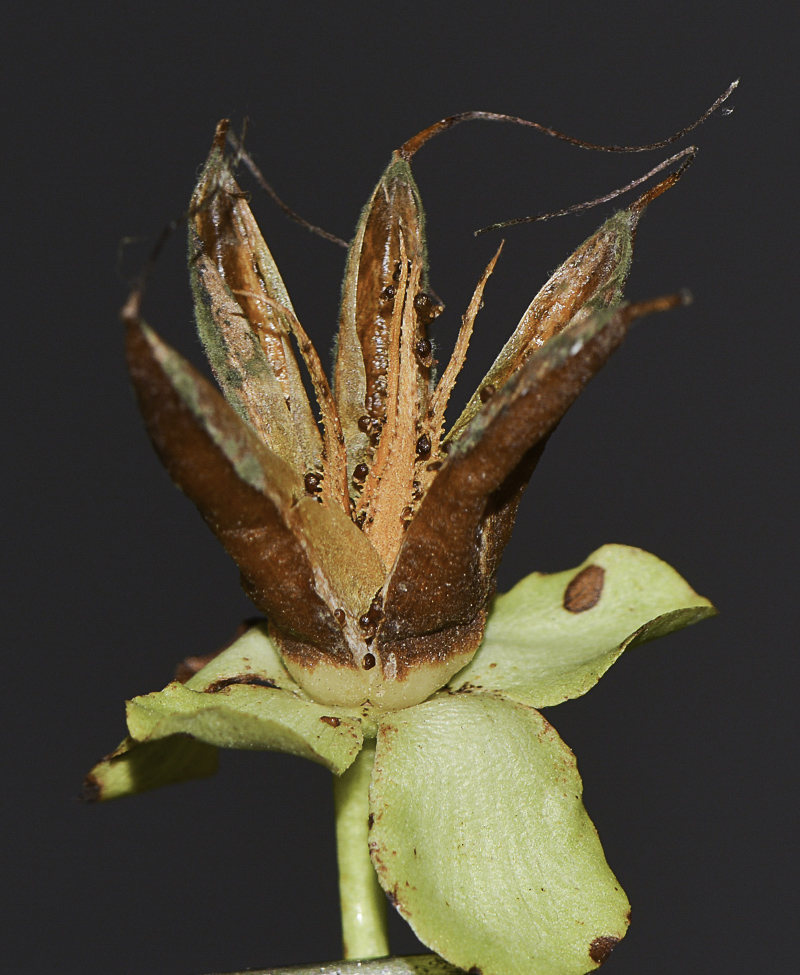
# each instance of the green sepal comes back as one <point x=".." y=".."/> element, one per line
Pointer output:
<point x="480" y="838"/>
<point x="136" y="767"/>
<point x="552" y="637"/>
<point x="244" y="698"/>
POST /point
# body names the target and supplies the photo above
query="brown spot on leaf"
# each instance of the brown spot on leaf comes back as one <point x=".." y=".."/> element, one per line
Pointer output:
<point x="585" y="590"/>
<point x="250" y="679"/>
<point x="331" y="720"/>
<point x="189" y="666"/>
<point x="92" y="791"/>
<point x="370" y="820"/>
<point x="601" y="948"/>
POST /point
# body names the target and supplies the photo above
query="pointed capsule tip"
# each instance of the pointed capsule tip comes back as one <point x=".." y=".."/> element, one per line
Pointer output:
<point x="221" y="134"/>
<point x="130" y="311"/>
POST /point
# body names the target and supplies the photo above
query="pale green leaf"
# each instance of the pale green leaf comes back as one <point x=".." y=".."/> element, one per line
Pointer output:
<point x="139" y="766"/>
<point x="391" y="965"/>
<point x="244" y="698"/>
<point x="537" y="651"/>
<point x="480" y="837"/>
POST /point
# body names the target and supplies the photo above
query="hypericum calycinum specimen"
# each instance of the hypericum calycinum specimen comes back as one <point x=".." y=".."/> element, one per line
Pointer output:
<point x="372" y="544"/>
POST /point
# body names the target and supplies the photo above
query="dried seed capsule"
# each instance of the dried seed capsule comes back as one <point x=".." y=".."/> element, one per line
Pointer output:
<point x="424" y="447"/>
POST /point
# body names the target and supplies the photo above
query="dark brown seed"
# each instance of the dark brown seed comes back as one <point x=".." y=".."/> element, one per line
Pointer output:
<point x="396" y="275"/>
<point x="375" y="611"/>
<point x="360" y="472"/>
<point x="424" y="348"/>
<point x="331" y="720"/>
<point x="375" y="439"/>
<point x="312" y="482"/>
<point x="585" y="589"/>
<point x="388" y="293"/>
<point x="426" y="308"/>
<point x="365" y="622"/>
<point x="340" y="617"/>
<point x="364" y="424"/>
<point x="424" y="446"/>
<point x="487" y="392"/>
<point x="369" y="661"/>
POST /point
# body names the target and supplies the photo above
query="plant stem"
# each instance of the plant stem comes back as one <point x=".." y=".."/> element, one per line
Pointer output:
<point x="364" y="931"/>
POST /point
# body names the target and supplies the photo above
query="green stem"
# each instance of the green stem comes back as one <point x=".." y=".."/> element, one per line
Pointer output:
<point x="364" y="931"/>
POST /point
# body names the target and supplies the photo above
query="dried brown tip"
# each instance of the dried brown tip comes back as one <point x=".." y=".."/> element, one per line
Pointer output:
<point x="221" y="134"/>
<point x="639" y="309"/>
<point x="638" y="206"/>
<point x="409" y="148"/>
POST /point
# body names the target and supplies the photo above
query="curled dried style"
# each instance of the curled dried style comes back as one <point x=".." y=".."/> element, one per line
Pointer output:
<point x="371" y="541"/>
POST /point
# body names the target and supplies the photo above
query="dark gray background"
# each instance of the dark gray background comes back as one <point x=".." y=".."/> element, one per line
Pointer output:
<point x="684" y="445"/>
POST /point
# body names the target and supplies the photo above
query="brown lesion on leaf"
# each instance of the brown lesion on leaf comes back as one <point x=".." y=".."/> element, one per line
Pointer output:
<point x="92" y="791"/>
<point x="252" y="680"/>
<point x="190" y="666"/>
<point x="329" y="719"/>
<point x="601" y="948"/>
<point x="585" y="589"/>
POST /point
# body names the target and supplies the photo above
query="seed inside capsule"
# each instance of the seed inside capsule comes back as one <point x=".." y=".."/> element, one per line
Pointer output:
<point x="426" y="308"/>
<point x="375" y="611"/>
<point x="388" y="293"/>
<point x="340" y="617"/>
<point x="364" y="423"/>
<point x="423" y="446"/>
<point x="360" y="472"/>
<point x="369" y="661"/>
<point x="423" y="348"/>
<point x="312" y="482"/>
